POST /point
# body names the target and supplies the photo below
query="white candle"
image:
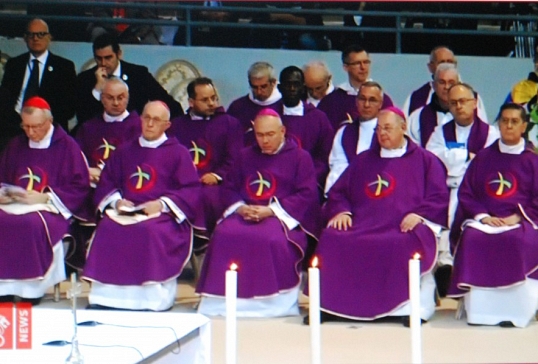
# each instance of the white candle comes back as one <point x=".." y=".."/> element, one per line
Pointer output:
<point x="414" y="319"/>
<point x="231" y="314"/>
<point x="314" y="312"/>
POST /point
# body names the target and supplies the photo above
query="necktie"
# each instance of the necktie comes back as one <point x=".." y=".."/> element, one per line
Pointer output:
<point x="32" y="87"/>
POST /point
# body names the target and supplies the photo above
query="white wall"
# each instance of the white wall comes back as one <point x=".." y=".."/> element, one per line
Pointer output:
<point x="492" y="77"/>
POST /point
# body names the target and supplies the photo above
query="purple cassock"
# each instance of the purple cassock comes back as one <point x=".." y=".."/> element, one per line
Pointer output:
<point x="154" y="250"/>
<point x="339" y="106"/>
<point x="267" y="253"/>
<point x="213" y="144"/>
<point x="99" y="139"/>
<point x="419" y="97"/>
<point x="312" y="132"/>
<point x="244" y="110"/>
<point x="500" y="185"/>
<point x="27" y="240"/>
<point x="365" y="269"/>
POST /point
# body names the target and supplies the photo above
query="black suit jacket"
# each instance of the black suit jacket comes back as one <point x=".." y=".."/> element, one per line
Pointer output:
<point x="57" y="87"/>
<point x="142" y="88"/>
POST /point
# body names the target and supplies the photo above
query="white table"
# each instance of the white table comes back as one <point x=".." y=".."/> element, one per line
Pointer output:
<point x="151" y="333"/>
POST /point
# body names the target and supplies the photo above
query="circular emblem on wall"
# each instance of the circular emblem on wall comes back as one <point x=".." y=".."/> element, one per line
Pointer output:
<point x="174" y="76"/>
<point x="88" y="64"/>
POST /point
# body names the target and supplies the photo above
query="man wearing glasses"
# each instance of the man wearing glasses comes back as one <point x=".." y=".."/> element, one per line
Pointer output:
<point x="340" y="104"/>
<point x="456" y="143"/>
<point x="37" y="72"/>
<point x="263" y="94"/>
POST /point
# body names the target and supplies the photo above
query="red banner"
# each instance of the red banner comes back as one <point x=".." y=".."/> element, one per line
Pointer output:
<point x="24" y="325"/>
<point x="6" y="326"/>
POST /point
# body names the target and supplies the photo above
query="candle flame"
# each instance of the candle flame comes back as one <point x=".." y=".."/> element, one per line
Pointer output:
<point x="416" y="256"/>
<point x="233" y="266"/>
<point x="315" y="262"/>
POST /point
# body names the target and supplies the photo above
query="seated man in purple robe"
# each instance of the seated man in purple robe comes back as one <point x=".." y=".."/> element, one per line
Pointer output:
<point x="213" y="139"/>
<point x="318" y="81"/>
<point x="149" y="197"/>
<point x="423" y="120"/>
<point x="306" y="125"/>
<point x="357" y="135"/>
<point x="496" y="256"/>
<point x="423" y="95"/>
<point x="339" y="105"/>
<point x="273" y="210"/>
<point x="264" y="94"/>
<point x="456" y="143"/>
<point x="47" y="184"/>
<point x="389" y="204"/>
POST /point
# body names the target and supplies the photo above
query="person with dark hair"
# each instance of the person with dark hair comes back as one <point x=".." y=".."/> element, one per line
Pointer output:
<point x="37" y="72"/>
<point x="340" y="104"/>
<point x="305" y="124"/>
<point x="142" y="85"/>
<point x="213" y="139"/>
<point x="495" y="232"/>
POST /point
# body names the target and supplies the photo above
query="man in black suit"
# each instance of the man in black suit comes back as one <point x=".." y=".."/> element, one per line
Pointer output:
<point x="142" y="86"/>
<point x="53" y="79"/>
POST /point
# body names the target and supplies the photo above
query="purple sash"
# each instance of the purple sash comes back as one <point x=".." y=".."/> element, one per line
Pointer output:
<point x="350" y="139"/>
<point x="477" y="137"/>
<point x="428" y="122"/>
<point x="419" y="98"/>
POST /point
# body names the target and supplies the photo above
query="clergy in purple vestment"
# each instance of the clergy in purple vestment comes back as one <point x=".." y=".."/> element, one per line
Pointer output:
<point x="47" y="184"/>
<point x="389" y="204"/>
<point x="149" y="197"/>
<point x="273" y="211"/>
<point x="213" y="139"/>
<point x="306" y="125"/>
<point x="318" y="81"/>
<point x="422" y="122"/>
<point x="263" y="94"/>
<point x="496" y="256"/>
<point x="358" y="135"/>
<point x="339" y="105"/>
<point x="456" y="143"/>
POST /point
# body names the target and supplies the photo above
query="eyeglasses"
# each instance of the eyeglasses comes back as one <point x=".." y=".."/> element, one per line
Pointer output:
<point x="147" y="119"/>
<point x="32" y="35"/>
<point x="445" y="83"/>
<point x="514" y="122"/>
<point x="387" y="129"/>
<point x="33" y="127"/>
<point x="458" y="102"/>
<point x="358" y="63"/>
<point x="371" y="100"/>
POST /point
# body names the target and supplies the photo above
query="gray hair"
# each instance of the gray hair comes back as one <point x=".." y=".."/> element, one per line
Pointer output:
<point x="30" y="110"/>
<point x="262" y="69"/>
<point x="318" y="65"/>
<point x="116" y="80"/>
<point x="446" y="67"/>
<point x="371" y="84"/>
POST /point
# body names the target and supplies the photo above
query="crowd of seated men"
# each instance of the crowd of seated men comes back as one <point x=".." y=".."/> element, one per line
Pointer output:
<point x="296" y="167"/>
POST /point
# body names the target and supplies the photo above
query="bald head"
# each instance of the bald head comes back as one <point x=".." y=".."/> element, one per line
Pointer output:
<point x="438" y="55"/>
<point x="37" y="37"/>
<point x="155" y="120"/>
<point x="317" y="78"/>
<point x="270" y="133"/>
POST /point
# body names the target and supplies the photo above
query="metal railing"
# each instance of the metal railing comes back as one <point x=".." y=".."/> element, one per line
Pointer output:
<point x="523" y="26"/>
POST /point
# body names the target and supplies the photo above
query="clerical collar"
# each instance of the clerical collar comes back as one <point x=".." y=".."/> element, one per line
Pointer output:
<point x="193" y="116"/>
<point x="43" y="143"/>
<point x="275" y="96"/>
<point x="314" y="101"/>
<point x="152" y="143"/>
<point x="112" y="119"/>
<point x="512" y="149"/>
<point x="394" y="153"/>
<point x="347" y="87"/>
<point x="295" y="110"/>
<point x="42" y="58"/>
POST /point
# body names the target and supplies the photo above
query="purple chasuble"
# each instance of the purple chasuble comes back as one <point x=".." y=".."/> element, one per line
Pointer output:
<point x="244" y="110"/>
<point x="365" y="269"/>
<point x="27" y="240"/>
<point x="267" y="252"/>
<point x="495" y="184"/>
<point x="213" y="144"/>
<point x="477" y="136"/>
<point x="338" y="105"/>
<point x="157" y="249"/>
<point x="312" y="132"/>
<point x="99" y="139"/>
<point x="350" y="140"/>
<point x="419" y="97"/>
